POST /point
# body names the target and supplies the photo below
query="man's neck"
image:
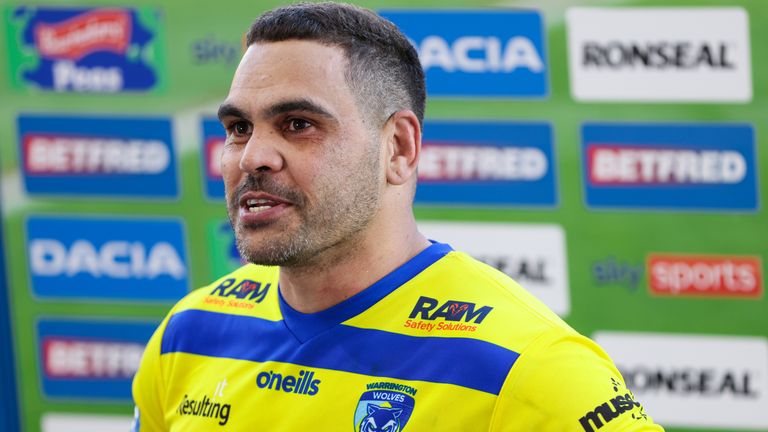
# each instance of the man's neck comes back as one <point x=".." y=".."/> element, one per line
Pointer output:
<point x="346" y="270"/>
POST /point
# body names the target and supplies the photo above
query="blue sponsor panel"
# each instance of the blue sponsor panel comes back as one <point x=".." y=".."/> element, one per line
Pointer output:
<point x="498" y="54"/>
<point x="107" y="259"/>
<point x="9" y="414"/>
<point x="97" y="156"/>
<point x="78" y="49"/>
<point x="90" y="359"/>
<point x="670" y="166"/>
<point x="214" y="137"/>
<point x="487" y="163"/>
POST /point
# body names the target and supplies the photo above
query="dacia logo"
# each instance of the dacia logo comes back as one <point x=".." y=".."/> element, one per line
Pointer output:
<point x="430" y="309"/>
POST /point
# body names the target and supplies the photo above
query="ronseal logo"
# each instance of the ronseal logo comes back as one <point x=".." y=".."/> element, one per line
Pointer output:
<point x="690" y="381"/>
<point x="97" y="156"/>
<point x="531" y="254"/>
<point x="670" y="166"/>
<point x="104" y="50"/>
<point x="659" y="54"/>
<point x="705" y="275"/>
<point x="90" y="359"/>
<point x="107" y="259"/>
<point x="478" y="53"/>
<point x="214" y="138"/>
<point x="487" y="163"/>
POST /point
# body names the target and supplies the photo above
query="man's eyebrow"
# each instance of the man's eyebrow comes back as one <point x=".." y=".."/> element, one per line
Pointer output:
<point x="230" y="110"/>
<point x="302" y="105"/>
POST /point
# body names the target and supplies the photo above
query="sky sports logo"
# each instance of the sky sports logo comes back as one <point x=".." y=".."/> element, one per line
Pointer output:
<point x="705" y="276"/>
<point x="97" y="156"/>
<point x="214" y="138"/>
<point x="487" y="163"/>
<point x="477" y="53"/>
<point x="697" y="54"/>
<point x="104" y="50"/>
<point x="670" y="166"/>
<point x="92" y="360"/>
<point x="107" y="259"/>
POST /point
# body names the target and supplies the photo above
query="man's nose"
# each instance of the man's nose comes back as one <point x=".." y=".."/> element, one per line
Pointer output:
<point x="261" y="153"/>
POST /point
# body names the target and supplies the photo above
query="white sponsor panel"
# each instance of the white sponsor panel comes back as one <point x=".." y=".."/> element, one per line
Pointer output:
<point x="659" y="54"/>
<point x="532" y="254"/>
<point x="65" y="422"/>
<point x="695" y="381"/>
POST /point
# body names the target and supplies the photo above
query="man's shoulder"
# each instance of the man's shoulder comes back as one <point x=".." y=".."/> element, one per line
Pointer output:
<point x="461" y="297"/>
<point x="248" y="290"/>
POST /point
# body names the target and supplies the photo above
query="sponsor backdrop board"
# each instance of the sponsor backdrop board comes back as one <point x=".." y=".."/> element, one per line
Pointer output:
<point x="614" y="167"/>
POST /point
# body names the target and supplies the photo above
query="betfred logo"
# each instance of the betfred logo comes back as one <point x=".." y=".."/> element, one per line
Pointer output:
<point x="659" y="54"/>
<point x="617" y="165"/>
<point x="694" y="381"/>
<point x="105" y="259"/>
<point x="213" y="141"/>
<point x="705" y="276"/>
<point x="534" y="255"/>
<point x="103" y="50"/>
<point x="100" y="359"/>
<point x="478" y="53"/>
<point x="99" y="30"/>
<point x="670" y="166"/>
<point x="97" y="156"/>
<point x="480" y="163"/>
<point x="90" y="359"/>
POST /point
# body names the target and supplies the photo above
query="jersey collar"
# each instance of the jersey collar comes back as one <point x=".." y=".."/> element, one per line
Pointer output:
<point x="305" y="326"/>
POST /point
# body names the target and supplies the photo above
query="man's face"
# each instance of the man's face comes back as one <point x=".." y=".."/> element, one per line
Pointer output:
<point x="300" y="167"/>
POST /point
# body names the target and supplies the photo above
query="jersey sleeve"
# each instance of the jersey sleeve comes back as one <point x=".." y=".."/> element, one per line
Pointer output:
<point x="567" y="383"/>
<point x="149" y="387"/>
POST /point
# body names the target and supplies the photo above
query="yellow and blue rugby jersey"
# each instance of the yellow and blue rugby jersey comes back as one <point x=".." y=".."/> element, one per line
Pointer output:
<point x="443" y="343"/>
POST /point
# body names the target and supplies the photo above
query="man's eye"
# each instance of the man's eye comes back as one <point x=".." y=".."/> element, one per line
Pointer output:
<point x="241" y="128"/>
<point x="295" y="125"/>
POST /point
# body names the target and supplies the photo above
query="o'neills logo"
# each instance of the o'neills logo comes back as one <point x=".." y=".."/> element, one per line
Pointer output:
<point x="99" y="30"/>
<point x="206" y="408"/>
<point x="304" y="384"/>
<point x="710" y="276"/>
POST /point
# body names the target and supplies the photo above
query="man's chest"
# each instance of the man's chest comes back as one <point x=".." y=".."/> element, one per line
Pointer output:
<point x="205" y="393"/>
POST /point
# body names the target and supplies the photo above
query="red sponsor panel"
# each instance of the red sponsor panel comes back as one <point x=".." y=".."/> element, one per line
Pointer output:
<point x="99" y="30"/>
<point x="213" y="149"/>
<point x="705" y="275"/>
<point x="611" y="164"/>
<point x="67" y="358"/>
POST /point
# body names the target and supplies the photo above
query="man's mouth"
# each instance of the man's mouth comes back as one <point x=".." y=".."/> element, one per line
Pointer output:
<point x="256" y="205"/>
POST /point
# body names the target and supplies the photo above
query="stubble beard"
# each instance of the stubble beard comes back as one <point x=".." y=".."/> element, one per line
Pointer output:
<point x="347" y="203"/>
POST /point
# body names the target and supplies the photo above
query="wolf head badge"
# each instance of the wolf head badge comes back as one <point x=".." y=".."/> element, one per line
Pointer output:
<point x="383" y="411"/>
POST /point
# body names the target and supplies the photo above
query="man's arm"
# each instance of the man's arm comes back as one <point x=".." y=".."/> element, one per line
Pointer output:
<point x="149" y="387"/>
<point x="567" y="383"/>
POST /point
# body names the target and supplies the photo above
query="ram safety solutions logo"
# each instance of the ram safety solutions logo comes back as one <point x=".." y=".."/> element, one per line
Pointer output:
<point x="104" y="50"/>
<point x="487" y="163"/>
<point x="97" y="156"/>
<point x="478" y="53"/>
<point x="384" y="406"/>
<point x="107" y="259"/>
<point x="670" y="166"/>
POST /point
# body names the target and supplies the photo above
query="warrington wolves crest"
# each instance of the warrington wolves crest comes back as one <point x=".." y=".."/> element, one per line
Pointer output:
<point x="384" y="410"/>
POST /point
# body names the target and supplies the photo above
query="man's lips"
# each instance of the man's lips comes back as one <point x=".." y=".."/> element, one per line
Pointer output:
<point x="260" y="207"/>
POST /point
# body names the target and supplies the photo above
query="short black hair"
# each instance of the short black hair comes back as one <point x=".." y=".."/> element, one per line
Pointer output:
<point x="383" y="68"/>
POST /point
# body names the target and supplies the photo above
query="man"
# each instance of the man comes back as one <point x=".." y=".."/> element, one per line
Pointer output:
<point x="349" y="318"/>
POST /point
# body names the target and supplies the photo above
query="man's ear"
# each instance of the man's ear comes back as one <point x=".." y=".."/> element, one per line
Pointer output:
<point x="403" y="147"/>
